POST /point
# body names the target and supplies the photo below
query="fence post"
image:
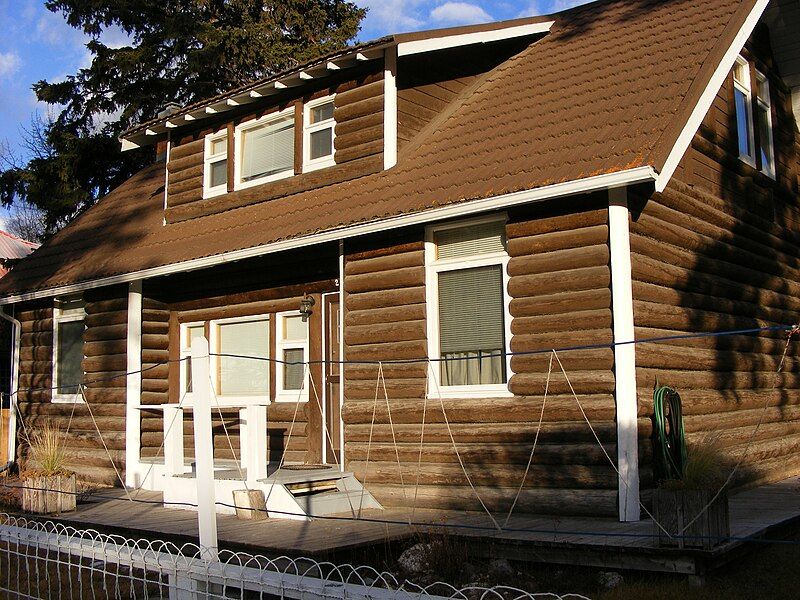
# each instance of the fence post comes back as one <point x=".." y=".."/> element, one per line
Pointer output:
<point x="204" y="448"/>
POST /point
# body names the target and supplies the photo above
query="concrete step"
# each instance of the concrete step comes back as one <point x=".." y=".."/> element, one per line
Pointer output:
<point x="332" y="503"/>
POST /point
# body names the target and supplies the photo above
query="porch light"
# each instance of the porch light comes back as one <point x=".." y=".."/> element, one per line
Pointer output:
<point x="306" y="304"/>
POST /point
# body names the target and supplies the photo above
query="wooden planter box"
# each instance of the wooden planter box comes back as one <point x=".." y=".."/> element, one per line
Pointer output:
<point x="673" y="509"/>
<point x="37" y="496"/>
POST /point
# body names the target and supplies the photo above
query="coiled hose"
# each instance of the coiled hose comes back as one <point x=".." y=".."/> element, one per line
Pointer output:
<point x="670" y="439"/>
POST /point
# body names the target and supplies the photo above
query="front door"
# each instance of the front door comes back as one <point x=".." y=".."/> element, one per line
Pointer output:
<point x="333" y="412"/>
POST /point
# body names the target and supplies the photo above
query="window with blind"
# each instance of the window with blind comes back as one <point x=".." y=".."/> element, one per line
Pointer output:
<point x="242" y="368"/>
<point x="466" y="265"/>
<point x="68" y="325"/>
<point x="266" y="149"/>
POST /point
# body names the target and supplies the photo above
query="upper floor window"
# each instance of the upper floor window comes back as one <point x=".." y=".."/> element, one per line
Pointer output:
<point x="319" y="134"/>
<point x="764" y="123"/>
<point x="69" y="317"/>
<point x="265" y="149"/>
<point x="216" y="164"/>
<point x="753" y="117"/>
<point x="743" y="97"/>
<point x="468" y="323"/>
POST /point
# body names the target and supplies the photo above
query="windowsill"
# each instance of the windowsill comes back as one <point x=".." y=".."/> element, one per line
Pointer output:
<point x="319" y="164"/>
<point x="67" y="399"/>
<point x="747" y="160"/>
<point x="291" y="397"/>
<point x="213" y="193"/>
<point x="769" y="173"/>
<point x="469" y="391"/>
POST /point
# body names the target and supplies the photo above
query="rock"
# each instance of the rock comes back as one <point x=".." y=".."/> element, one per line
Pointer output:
<point x="501" y="569"/>
<point x="414" y="560"/>
<point x="609" y="579"/>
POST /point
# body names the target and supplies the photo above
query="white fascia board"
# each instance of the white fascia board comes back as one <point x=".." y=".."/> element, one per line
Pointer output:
<point x="558" y="190"/>
<point x="707" y="98"/>
<point x="465" y="39"/>
<point x="127" y="144"/>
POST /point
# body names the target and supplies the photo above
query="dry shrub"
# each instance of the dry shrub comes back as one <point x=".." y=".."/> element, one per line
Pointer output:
<point x="707" y="467"/>
<point x="47" y="450"/>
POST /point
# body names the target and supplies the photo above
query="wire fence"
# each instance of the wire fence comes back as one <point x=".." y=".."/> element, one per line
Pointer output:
<point x="42" y="560"/>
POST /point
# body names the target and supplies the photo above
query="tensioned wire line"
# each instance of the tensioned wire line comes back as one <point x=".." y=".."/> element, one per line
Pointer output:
<point x="420" y="524"/>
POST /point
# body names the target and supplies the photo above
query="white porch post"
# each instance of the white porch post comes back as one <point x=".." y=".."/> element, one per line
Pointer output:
<point x="624" y="355"/>
<point x="204" y="448"/>
<point x="390" y="108"/>
<point x="253" y="420"/>
<point x="133" y="394"/>
<point x="173" y="440"/>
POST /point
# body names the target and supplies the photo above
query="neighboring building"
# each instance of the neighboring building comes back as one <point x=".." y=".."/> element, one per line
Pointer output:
<point x="12" y="249"/>
<point x="472" y="196"/>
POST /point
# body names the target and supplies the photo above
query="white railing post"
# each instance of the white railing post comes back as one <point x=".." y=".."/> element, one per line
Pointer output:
<point x="204" y="448"/>
<point x="173" y="440"/>
<point x="255" y="441"/>
<point x="133" y="385"/>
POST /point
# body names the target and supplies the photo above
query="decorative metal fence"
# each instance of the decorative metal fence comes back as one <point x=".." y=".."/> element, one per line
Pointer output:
<point x="42" y="560"/>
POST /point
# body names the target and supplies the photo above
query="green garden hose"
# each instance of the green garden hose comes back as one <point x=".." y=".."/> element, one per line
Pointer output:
<point x="670" y="440"/>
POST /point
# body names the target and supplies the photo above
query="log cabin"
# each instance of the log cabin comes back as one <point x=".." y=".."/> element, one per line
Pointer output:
<point x="382" y="245"/>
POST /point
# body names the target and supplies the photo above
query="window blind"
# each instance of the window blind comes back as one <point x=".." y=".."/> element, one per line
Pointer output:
<point x="268" y="150"/>
<point x="486" y="238"/>
<point x="243" y="376"/>
<point x="471" y="310"/>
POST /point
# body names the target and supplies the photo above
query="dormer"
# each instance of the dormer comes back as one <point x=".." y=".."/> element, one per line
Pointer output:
<point x="339" y="118"/>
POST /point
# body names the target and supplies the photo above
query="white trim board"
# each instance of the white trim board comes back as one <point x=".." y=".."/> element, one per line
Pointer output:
<point x="465" y="39"/>
<point x="474" y="207"/>
<point x="707" y="98"/>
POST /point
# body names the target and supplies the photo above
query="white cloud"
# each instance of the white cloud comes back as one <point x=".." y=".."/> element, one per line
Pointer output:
<point x="391" y="15"/>
<point x="543" y="7"/>
<point x="459" y="13"/>
<point x="9" y="63"/>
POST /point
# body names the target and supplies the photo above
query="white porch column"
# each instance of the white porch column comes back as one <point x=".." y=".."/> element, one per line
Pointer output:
<point x="390" y="108"/>
<point x="624" y="355"/>
<point x="253" y="420"/>
<point x="133" y="399"/>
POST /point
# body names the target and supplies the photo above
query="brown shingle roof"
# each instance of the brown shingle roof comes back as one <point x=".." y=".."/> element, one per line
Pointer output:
<point x="605" y="91"/>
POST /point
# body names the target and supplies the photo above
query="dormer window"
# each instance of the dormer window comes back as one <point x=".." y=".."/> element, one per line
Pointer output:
<point x="764" y="123"/>
<point x="265" y="149"/>
<point x="743" y="98"/>
<point x="753" y="115"/>
<point x="319" y="134"/>
<point x="216" y="164"/>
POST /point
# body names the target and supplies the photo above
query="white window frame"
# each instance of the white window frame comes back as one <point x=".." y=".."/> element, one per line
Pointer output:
<point x="310" y="164"/>
<point x="64" y="316"/>
<point x="281" y="344"/>
<point x="746" y="88"/>
<point x="766" y="105"/>
<point x="238" y="136"/>
<point x="209" y="159"/>
<point x="186" y="398"/>
<point x="433" y="267"/>
<point x="214" y="363"/>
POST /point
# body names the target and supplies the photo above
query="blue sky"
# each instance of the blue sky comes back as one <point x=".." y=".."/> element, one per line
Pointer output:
<point x="37" y="44"/>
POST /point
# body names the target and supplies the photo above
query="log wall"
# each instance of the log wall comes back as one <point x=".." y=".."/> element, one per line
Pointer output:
<point x="559" y="287"/>
<point x="720" y="250"/>
<point x="358" y="145"/>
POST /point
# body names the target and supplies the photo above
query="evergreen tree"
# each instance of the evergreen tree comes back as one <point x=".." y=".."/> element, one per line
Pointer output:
<point x="179" y="51"/>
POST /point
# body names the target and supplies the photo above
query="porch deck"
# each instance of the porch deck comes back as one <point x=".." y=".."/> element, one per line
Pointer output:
<point x="599" y="542"/>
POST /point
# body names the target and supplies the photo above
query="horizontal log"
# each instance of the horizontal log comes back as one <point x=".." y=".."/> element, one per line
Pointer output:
<point x="559" y="260"/>
<point x="401" y="260"/>
<point x="63" y="410"/>
<point x="712" y="423"/>
<point x="106" y="332"/>
<point x="155" y="385"/>
<point x="105" y="396"/>
<point x="154" y="356"/>
<point x="360" y="93"/>
<point x="354" y="110"/>
<point x="379" y="316"/>
<point x="574" y="321"/>
<point x="369" y="372"/>
<point x="111" y="305"/>
<point x="558" y="240"/>
<point x="234" y="310"/>
<point x="665" y="356"/>
<point x="599" y="359"/>
<point x="191" y="195"/>
<point x="36" y="353"/>
<point x="730" y="380"/>
<point x="560" y="303"/>
<point x="180" y="186"/>
<point x="437" y="448"/>
<point x="560" y="340"/>
<point x="359" y="138"/>
<point x="552" y="476"/>
<point x="559" y="281"/>
<point x="36" y="326"/>
<point x="34" y="314"/>
<point x="106" y="379"/>
<point x="35" y="381"/>
<point x="561" y="223"/>
<point x="582" y="382"/>
<point x="176" y="165"/>
<point x="389" y="351"/>
<point x="361" y="151"/>
<point x="357" y="124"/>
<point x="359" y="335"/>
<point x="178" y="151"/>
<point x="105" y="347"/>
<point x="194" y="174"/>
<point x="155" y="341"/>
<point x="35" y="367"/>
<point x="155" y="371"/>
<point x="594" y="503"/>
<point x="480" y="417"/>
<point x="408" y="277"/>
<point x="385" y="298"/>
<point x="81" y="423"/>
<point x="43" y="338"/>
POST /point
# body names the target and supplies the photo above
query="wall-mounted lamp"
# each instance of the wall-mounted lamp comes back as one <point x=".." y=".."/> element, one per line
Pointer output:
<point x="306" y="304"/>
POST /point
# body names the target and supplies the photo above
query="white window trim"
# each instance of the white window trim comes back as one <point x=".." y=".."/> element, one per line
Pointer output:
<point x="186" y="398"/>
<point x="208" y="159"/>
<point x="214" y="363"/>
<point x="432" y="269"/>
<point x="282" y="395"/>
<point x="64" y="316"/>
<point x="310" y="164"/>
<point x="238" y="136"/>
<point x="746" y="88"/>
<point x="766" y="104"/>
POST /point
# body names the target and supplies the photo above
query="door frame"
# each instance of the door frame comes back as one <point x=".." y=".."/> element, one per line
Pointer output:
<point x="327" y="299"/>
